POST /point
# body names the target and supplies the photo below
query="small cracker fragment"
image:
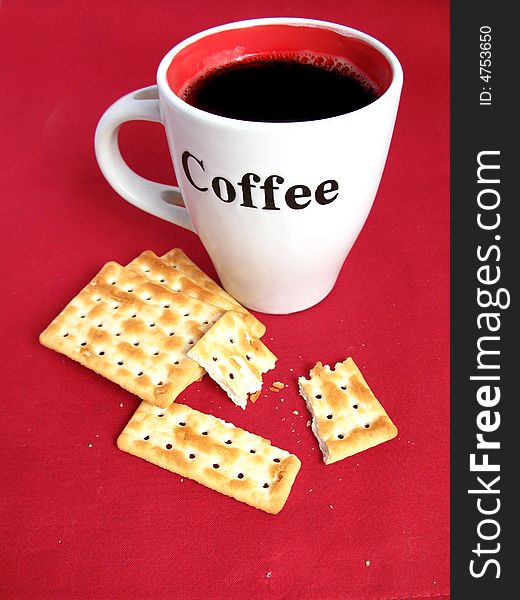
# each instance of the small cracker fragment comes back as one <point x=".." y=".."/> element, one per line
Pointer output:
<point x="234" y="357"/>
<point x="161" y="272"/>
<point x="216" y="454"/>
<point x="278" y="385"/>
<point x="134" y="332"/>
<point x="254" y="397"/>
<point x="346" y="416"/>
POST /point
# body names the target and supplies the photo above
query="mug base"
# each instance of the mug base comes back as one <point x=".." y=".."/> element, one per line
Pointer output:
<point x="282" y="307"/>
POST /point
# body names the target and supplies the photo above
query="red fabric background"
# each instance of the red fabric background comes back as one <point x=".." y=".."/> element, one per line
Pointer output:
<point x="80" y="519"/>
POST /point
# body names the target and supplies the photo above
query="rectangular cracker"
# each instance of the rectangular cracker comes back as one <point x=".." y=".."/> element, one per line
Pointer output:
<point x="234" y="357"/>
<point x="346" y="416"/>
<point x="216" y="454"/>
<point x="134" y="332"/>
<point x="174" y="278"/>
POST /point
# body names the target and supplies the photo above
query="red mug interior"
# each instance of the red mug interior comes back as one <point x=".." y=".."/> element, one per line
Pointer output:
<point x="315" y="43"/>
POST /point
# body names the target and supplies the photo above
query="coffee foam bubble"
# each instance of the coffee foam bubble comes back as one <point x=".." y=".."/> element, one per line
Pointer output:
<point x="329" y="62"/>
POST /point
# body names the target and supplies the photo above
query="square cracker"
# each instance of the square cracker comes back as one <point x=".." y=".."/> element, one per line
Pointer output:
<point x="174" y="278"/>
<point x="216" y="454"/>
<point x="346" y="416"/>
<point x="234" y="357"/>
<point x="134" y="332"/>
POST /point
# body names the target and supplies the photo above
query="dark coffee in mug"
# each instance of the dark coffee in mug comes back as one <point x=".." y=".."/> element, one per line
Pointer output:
<point x="281" y="88"/>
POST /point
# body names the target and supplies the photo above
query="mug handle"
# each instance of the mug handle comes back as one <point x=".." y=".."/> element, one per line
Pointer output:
<point x="163" y="201"/>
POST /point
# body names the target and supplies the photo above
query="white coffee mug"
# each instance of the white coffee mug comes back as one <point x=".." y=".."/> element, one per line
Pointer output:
<point x="277" y="206"/>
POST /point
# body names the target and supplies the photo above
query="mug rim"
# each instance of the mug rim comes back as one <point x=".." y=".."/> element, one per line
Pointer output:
<point x="166" y="92"/>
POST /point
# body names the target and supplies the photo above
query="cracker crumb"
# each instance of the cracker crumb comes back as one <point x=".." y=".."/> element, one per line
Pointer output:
<point x="268" y="575"/>
<point x="254" y="397"/>
<point x="90" y="445"/>
<point x="310" y="490"/>
<point x="367" y="563"/>
<point x="309" y="423"/>
<point x="331" y="506"/>
<point x="273" y="389"/>
<point x="121" y="404"/>
<point x="295" y="412"/>
<point x="278" y="384"/>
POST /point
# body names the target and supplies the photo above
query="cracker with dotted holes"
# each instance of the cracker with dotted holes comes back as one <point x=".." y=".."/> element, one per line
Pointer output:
<point x="216" y="454"/>
<point x="134" y="332"/>
<point x="160" y="271"/>
<point x="177" y="259"/>
<point x="346" y="416"/>
<point x="234" y="357"/>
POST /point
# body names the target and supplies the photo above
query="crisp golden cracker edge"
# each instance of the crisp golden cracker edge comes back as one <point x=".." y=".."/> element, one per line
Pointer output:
<point x="201" y="278"/>
<point x="187" y="285"/>
<point x="129" y="443"/>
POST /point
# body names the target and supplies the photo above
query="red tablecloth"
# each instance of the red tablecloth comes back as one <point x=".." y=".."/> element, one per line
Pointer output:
<point x="81" y="519"/>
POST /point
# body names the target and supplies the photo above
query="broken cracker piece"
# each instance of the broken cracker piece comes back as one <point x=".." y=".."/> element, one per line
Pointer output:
<point x="346" y="416"/>
<point x="254" y="397"/>
<point x="234" y="357"/>
<point x="276" y="386"/>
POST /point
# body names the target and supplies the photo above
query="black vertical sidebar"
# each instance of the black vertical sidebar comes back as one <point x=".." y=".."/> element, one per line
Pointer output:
<point x="485" y="268"/>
